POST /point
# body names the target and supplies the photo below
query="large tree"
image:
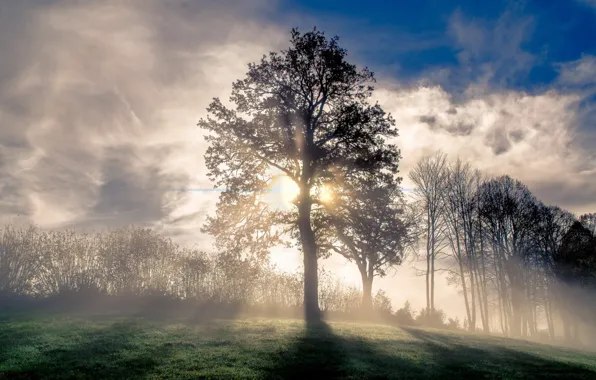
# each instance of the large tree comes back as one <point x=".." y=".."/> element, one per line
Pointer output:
<point x="304" y="113"/>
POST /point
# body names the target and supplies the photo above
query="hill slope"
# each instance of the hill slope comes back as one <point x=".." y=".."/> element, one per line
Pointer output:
<point x="63" y="347"/>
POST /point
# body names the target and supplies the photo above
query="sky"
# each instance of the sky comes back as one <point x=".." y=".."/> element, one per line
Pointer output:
<point x="99" y="101"/>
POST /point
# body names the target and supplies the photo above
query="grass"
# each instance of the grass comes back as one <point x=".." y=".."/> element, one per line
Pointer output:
<point x="63" y="347"/>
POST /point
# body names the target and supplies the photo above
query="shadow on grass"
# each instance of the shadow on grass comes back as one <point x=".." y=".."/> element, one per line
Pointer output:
<point x="127" y="349"/>
<point x="113" y="352"/>
<point x="320" y="353"/>
<point x="455" y="357"/>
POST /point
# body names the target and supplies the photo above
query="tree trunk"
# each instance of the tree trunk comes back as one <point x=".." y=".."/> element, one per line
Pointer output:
<point x="367" y="304"/>
<point x="432" y="281"/>
<point x="517" y="297"/>
<point x="473" y="307"/>
<point x="312" y="312"/>
<point x="549" y="311"/>
<point x="486" y="323"/>
<point x="428" y="281"/>
<point x="432" y="262"/>
<point x="428" y="254"/>
<point x="465" y="291"/>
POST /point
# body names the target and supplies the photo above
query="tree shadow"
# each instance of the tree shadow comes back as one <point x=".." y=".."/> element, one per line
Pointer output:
<point x="133" y="349"/>
<point x="321" y="354"/>
<point x="456" y="357"/>
<point x="315" y="354"/>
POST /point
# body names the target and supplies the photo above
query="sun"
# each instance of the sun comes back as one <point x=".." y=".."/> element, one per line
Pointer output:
<point x="325" y="194"/>
<point x="289" y="189"/>
<point x="282" y="192"/>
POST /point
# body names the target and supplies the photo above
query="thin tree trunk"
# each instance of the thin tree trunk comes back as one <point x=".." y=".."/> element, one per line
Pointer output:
<point x="473" y="294"/>
<point x="432" y="281"/>
<point x="549" y="311"/>
<point x="465" y="291"/>
<point x="428" y="256"/>
<point x="483" y="317"/>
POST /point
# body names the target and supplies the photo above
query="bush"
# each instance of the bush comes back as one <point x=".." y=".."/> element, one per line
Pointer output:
<point x="453" y="324"/>
<point x="382" y="303"/>
<point x="405" y="315"/>
<point x="431" y="318"/>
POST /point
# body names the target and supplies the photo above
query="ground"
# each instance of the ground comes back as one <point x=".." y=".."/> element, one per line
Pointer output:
<point x="69" y="347"/>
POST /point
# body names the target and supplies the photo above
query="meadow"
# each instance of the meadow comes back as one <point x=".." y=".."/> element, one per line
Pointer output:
<point x="59" y="346"/>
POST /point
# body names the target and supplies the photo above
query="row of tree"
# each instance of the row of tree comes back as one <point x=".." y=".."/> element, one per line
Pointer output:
<point x="514" y="258"/>
<point x="137" y="270"/>
<point x="136" y="262"/>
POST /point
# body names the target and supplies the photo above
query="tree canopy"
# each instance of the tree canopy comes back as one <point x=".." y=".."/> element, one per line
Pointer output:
<point x="303" y="112"/>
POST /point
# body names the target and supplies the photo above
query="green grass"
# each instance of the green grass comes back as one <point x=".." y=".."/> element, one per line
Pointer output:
<point x="40" y="347"/>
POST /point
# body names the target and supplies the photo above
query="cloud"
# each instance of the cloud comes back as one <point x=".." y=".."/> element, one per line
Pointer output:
<point x="489" y="53"/>
<point x="533" y="137"/>
<point x="579" y="73"/>
<point x="99" y="103"/>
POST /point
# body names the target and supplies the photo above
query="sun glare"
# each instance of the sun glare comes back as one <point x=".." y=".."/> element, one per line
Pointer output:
<point x="289" y="189"/>
<point x="282" y="192"/>
<point x="325" y="194"/>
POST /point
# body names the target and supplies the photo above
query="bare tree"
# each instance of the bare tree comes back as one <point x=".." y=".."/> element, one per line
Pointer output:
<point x="509" y="212"/>
<point x="589" y="222"/>
<point x="429" y="176"/>
<point x="463" y="232"/>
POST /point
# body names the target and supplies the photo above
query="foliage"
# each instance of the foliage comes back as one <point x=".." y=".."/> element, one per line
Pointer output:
<point x="134" y="268"/>
<point x="431" y="318"/>
<point x="302" y="113"/>
<point x="405" y="316"/>
<point x="382" y="303"/>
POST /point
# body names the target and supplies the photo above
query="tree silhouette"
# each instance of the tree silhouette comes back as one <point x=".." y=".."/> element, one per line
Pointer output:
<point x="429" y="175"/>
<point x="371" y="225"/>
<point x="589" y="222"/>
<point x="509" y="212"/>
<point x="304" y="113"/>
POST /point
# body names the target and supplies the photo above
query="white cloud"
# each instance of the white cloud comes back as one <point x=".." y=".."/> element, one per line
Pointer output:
<point x="100" y="107"/>
<point x="530" y="137"/>
<point x="490" y="53"/>
<point x="581" y="72"/>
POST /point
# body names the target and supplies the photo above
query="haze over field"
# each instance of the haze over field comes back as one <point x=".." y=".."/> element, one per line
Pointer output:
<point x="99" y="103"/>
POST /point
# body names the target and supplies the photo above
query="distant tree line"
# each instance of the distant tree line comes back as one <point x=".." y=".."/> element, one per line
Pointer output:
<point x="136" y="262"/>
<point x="516" y="260"/>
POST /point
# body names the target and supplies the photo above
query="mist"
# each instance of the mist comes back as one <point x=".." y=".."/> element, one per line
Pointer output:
<point x="99" y="103"/>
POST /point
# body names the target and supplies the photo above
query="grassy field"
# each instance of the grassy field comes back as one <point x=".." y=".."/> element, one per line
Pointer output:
<point x="40" y="347"/>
